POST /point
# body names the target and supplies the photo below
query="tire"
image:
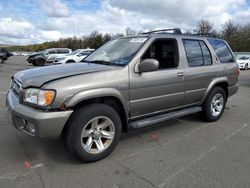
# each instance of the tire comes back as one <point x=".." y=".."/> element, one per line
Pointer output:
<point x="70" y="61"/>
<point x="40" y="62"/>
<point x="1" y="60"/>
<point x="246" y="67"/>
<point x="214" y="104"/>
<point x="97" y="142"/>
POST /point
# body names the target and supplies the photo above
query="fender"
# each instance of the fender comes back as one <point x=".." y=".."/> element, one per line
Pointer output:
<point x="96" y="93"/>
<point x="212" y="84"/>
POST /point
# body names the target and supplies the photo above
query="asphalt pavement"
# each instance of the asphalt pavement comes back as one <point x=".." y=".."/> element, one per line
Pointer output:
<point x="184" y="152"/>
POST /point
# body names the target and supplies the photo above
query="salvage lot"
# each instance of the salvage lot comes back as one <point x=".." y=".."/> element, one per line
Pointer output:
<point x="185" y="152"/>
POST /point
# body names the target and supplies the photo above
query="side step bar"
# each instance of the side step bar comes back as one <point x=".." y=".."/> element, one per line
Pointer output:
<point x="163" y="117"/>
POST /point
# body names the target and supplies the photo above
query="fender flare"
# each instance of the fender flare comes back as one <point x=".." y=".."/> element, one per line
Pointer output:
<point x="212" y="84"/>
<point x="97" y="93"/>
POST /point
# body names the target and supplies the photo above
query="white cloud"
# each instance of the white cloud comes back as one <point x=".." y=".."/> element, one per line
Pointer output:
<point x="53" y="8"/>
<point x="23" y="32"/>
<point x="180" y="11"/>
<point x="115" y="15"/>
<point x="15" y="28"/>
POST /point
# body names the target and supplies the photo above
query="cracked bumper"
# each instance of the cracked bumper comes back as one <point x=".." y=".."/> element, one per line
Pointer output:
<point x="45" y="124"/>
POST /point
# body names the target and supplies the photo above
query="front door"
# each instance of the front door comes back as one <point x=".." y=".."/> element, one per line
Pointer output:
<point x="161" y="90"/>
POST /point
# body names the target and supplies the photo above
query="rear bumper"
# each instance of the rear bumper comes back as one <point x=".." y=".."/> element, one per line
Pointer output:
<point x="45" y="124"/>
<point x="233" y="89"/>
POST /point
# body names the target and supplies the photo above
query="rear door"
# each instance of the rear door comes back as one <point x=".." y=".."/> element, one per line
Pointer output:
<point x="200" y="70"/>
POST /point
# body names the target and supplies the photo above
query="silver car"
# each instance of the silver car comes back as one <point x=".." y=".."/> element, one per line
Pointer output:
<point x="126" y="84"/>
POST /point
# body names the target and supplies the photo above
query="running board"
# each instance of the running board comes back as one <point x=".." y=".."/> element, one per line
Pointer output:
<point x="163" y="117"/>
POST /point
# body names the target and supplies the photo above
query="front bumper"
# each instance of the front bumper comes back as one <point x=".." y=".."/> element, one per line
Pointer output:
<point x="45" y="124"/>
<point x="233" y="89"/>
<point x="242" y="66"/>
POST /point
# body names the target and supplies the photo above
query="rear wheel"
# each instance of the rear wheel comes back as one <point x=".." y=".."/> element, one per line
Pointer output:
<point x="214" y="105"/>
<point x="93" y="132"/>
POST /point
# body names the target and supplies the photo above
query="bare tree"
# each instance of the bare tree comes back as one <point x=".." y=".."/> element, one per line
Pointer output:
<point x="204" y="27"/>
<point x="229" y="30"/>
<point x="129" y="31"/>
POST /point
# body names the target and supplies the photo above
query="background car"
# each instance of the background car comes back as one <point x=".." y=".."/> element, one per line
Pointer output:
<point x="47" y="56"/>
<point x="244" y="62"/>
<point x="32" y="58"/>
<point x="4" y="54"/>
<point x="74" y="56"/>
<point x="53" y="53"/>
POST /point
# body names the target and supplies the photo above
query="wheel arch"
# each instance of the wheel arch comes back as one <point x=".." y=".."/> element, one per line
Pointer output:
<point x="219" y="82"/>
<point x="70" y="60"/>
<point x="109" y="97"/>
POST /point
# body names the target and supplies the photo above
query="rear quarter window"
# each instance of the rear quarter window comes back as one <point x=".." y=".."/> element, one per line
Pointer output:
<point x="221" y="50"/>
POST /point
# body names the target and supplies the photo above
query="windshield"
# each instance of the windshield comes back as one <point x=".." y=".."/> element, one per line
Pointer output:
<point x="244" y="58"/>
<point x="117" y="52"/>
<point x="74" y="52"/>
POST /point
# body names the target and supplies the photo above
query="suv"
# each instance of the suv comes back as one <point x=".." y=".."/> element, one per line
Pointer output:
<point x="52" y="54"/>
<point x="74" y="56"/>
<point x="128" y="83"/>
<point x="47" y="56"/>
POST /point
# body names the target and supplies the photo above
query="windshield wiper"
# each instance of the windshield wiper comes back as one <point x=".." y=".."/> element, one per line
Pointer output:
<point x="102" y="62"/>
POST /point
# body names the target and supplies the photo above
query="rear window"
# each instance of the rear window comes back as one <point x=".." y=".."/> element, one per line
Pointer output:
<point x="222" y="50"/>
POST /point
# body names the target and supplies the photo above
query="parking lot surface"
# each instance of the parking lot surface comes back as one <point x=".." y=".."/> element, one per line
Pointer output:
<point x="184" y="152"/>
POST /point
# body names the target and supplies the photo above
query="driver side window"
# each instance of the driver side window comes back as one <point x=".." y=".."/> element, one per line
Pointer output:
<point x="165" y="51"/>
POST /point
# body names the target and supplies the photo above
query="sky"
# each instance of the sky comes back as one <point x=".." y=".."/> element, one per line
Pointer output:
<point x="25" y="22"/>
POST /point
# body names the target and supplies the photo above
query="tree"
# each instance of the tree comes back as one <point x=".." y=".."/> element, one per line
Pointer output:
<point x="229" y="30"/>
<point x="129" y="31"/>
<point x="230" y="33"/>
<point x="204" y="27"/>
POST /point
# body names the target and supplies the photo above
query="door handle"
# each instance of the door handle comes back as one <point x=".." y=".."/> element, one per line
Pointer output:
<point x="180" y="74"/>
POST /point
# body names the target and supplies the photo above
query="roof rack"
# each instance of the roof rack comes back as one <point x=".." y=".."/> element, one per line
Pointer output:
<point x="175" y="31"/>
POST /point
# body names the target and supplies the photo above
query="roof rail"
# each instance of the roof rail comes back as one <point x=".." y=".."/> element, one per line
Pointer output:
<point x="175" y="31"/>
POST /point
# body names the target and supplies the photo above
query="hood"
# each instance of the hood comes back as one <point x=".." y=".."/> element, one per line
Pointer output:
<point x="241" y="61"/>
<point x="35" y="54"/>
<point x="36" y="77"/>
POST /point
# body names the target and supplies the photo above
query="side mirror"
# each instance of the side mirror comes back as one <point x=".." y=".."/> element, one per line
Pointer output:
<point x="148" y="65"/>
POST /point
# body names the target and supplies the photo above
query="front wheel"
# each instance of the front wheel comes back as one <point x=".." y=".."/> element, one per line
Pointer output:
<point x="1" y="60"/>
<point x="246" y="67"/>
<point x="40" y="62"/>
<point x="70" y="61"/>
<point x="93" y="132"/>
<point x="214" y="104"/>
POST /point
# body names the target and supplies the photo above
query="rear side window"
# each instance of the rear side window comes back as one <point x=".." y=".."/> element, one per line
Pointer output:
<point x="52" y="52"/>
<point x="197" y="53"/>
<point x="222" y="50"/>
<point x="62" y="51"/>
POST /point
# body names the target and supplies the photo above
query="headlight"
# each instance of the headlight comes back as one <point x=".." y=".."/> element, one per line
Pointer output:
<point x="39" y="97"/>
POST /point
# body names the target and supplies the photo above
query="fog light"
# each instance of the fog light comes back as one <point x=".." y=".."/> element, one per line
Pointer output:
<point x="29" y="127"/>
